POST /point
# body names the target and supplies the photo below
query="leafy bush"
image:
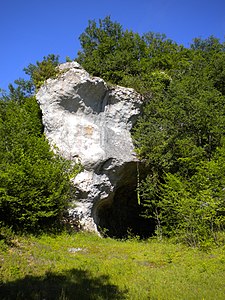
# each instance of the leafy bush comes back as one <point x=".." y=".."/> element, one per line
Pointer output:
<point x="193" y="211"/>
<point x="34" y="182"/>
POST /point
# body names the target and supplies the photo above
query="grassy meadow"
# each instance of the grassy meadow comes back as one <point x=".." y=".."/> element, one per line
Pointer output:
<point x="85" y="266"/>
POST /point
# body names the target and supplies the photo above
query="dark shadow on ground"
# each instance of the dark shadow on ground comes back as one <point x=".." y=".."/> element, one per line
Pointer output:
<point x="73" y="284"/>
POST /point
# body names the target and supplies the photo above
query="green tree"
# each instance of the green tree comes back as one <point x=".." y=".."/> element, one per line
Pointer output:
<point x="207" y="46"/>
<point x="34" y="182"/>
<point x="183" y="121"/>
<point x="41" y="71"/>
<point x="193" y="210"/>
<point x="182" y="127"/>
<point x="122" y="56"/>
<point x="109" y="51"/>
<point x="38" y="73"/>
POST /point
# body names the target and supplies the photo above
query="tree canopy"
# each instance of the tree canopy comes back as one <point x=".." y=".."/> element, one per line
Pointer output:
<point x="180" y="136"/>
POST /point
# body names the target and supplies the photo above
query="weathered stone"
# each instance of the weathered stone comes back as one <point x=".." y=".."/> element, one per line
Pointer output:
<point x="90" y="122"/>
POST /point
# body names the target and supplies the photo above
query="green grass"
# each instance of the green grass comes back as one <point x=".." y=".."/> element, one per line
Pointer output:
<point x="84" y="266"/>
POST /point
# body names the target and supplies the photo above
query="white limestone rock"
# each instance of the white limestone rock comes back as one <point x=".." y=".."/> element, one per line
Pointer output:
<point x="90" y="122"/>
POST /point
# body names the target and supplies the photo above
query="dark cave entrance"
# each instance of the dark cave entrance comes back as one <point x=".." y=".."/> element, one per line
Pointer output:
<point x="122" y="217"/>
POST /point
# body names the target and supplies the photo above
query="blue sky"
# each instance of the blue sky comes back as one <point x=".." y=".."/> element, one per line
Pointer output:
<point x="31" y="29"/>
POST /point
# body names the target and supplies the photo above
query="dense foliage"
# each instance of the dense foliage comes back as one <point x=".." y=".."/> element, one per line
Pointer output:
<point x="34" y="182"/>
<point x="180" y="136"/>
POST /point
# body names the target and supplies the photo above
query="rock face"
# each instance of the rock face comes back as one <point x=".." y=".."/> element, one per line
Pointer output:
<point x="90" y="122"/>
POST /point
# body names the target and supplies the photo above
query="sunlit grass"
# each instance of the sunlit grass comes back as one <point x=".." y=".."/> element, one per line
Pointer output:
<point x="84" y="266"/>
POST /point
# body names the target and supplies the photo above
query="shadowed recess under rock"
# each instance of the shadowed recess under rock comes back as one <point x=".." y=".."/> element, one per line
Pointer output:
<point x="123" y="216"/>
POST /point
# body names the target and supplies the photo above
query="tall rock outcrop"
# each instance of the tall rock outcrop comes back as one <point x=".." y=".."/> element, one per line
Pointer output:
<point x="90" y="122"/>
